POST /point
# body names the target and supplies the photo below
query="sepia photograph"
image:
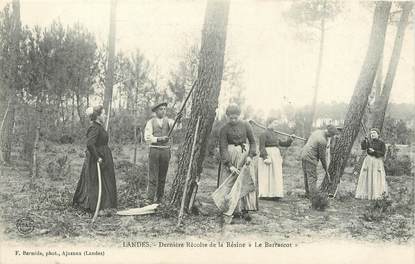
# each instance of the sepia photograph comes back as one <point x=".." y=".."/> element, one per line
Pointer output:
<point x="207" y="131"/>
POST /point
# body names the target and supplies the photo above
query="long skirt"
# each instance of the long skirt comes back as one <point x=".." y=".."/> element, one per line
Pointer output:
<point x="237" y="192"/>
<point x="86" y="194"/>
<point x="270" y="183"/>
<point x="372" y="179"/>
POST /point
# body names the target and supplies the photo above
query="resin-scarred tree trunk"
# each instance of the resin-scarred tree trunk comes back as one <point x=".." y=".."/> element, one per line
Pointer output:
<point x="205" y="96"/>
<point x="360" y="96"/>
<point x="376" y="117"/>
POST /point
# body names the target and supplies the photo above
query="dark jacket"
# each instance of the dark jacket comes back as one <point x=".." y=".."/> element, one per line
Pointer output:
<point x="236" y="134"/>
<point x="377" y="145"/>
<point x="270" y="139"/>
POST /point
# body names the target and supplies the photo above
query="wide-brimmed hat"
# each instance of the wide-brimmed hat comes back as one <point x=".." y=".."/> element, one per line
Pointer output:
<point x="156" y="106"/>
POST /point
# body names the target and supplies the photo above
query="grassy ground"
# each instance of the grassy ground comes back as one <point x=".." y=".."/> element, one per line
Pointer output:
<point x="48" y="201"/>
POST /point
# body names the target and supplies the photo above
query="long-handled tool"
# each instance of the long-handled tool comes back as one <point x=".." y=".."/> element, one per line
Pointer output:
<point x="99" y="172"/>
<point x="363" y="127"/>
<point x="219" y="172"/>
<point x="188" y="174"/>
<point x="252" y="122"/>
<point x="328" y="175"/>
<point x="335" y="192"/>
<point x="182" y="108"/>
<point x="99" y="193"/>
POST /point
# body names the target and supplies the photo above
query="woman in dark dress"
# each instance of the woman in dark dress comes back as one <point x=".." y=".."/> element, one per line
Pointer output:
<point x="237" y="193"/>
<point x="86" y="194"/>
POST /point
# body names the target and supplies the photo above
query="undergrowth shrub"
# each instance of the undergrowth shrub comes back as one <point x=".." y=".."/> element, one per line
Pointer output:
<point x="395" y="164"/>
<point x="131" y="192"/>
<point x="58" y="168"/>
<point x="319" y="201"/>
<point x="378" y="209"/>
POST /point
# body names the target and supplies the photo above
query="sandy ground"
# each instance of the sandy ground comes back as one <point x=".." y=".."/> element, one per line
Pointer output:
<point x="287" y="221"/>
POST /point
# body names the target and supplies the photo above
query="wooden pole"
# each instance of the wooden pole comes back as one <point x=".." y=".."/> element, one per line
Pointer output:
<point x="109" y="82"/>
<point x="275" y="131"/>
<point x="219" y="172"/>
<point x="109" y="78"/>
<point x="188" y="174"/>
<point x="99" y="194"/>
<point x="182" y="108"/>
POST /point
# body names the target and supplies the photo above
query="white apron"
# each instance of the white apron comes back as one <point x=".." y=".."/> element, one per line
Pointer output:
<point x="270" y="182"/>
<point x="372" y="179"/>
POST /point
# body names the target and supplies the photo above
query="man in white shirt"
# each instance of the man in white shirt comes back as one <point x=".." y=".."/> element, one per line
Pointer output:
<point x="156" y="134"/>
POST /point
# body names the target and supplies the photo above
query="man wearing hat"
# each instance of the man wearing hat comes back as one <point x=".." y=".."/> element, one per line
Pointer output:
<point x="156" y="134"/>
<point x="313" y="152"/>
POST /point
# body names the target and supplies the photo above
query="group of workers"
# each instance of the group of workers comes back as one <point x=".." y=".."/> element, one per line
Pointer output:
<point x="245" y="178"/>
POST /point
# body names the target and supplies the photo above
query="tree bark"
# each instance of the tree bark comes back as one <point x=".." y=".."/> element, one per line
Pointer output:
<point x="73" y="114"/>
<point x="34" y="167"/>
<point x="205" y="96"/>
<point x="79" y="109"/>
<point x="376" y="116"/>
<point x="318" y="73"/>
<point x="359" y="98"/>
<point x="135" y="126"/>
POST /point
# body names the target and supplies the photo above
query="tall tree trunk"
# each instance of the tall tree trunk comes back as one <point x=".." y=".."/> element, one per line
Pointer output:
<point x="377" y="89"/>
<point x="29" y="127"/>
<point x="379" y="78"/>
<point x="376" y="115"/>
<point x="205" y="96"/>
<point x="7" y="128"/>
<point x="73" y="113"/>
<point x="359" y="99"/>
<point x="6" y="134"/>
<point x="318" y="73"/>
<point x="119" y="98"/>
<point x="109" y="78"/>
<point x="135" y="126"/>
<point x="79" y="109"/>
<point x="34" y="162"/>
<point x="62" y="114"/>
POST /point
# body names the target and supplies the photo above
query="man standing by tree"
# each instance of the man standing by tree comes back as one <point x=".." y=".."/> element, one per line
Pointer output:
<point x="156" y="133"/>
<point x="313" y="152"/>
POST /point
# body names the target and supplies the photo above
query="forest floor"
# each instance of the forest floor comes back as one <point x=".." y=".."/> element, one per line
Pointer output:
<point x="48" y="203"/>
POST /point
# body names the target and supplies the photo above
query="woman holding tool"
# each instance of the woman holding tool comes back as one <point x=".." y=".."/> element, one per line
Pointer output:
<point x="237" y="193"/>
<point x="372" y="179"/>
<point x="98" y="159"/>
<point x="270" y="180"/>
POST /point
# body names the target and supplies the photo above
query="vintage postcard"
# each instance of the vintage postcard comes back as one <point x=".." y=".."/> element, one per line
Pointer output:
<point x="207" y="131"/>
